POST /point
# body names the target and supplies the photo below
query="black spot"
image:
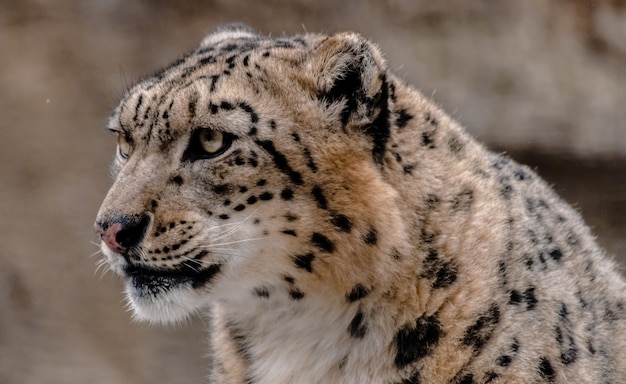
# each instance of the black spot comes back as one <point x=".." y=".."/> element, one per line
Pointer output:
<point x="430" y="119"/>
<point x="357" y="328"/>
<point x="304" y="261"/>
<point x="546" y="370"/>
<point x="192" y="107"/>
<point x="427" y="139"/>
<point x="455" y="145"/>
<point x="222" y="189"/>
<point x="262" y="292"/>
<point x="465" y="379"/>
<point x="251" y="200"/>
<point x="214" y="79"/>
<point x="295" y="136"/>
<point x="357" y="293"/>
<point x="528" y="297"/>
<point x="408" y="169"/>
<point x="207" y="60"/>
<point x="239" y="207"/>
<point x="286" y="194"/>
<point x="309" y="160"/>
<point x="266" y="196"/>
<point x="318" y="195"/>
<point x="225" y="105"/>
<point x="504" y="360"/>
<point x="347" y="86"/>
<point x="462" y="201"/>
<point x="427" y="237"/>
<point x="515" y="297"/>
<point x="521" y="174"/>
<point x="506" y="189"/>
<point x="154" y="204"/>
<point x="290" y="217"/>
<point x="379" y="130"/>
<point x="254" y="118"/>
<point x="342" y="223"/>
<point x="261" y="182"/>
<point x="478" y="334"/>
<point x="137" y="107"/>
<point x="502" y="273"/>
<point x="290" y="232"/>
<point x="280" y="161"/>
<point x="444" y="272"/>
<point x="224" y="217"/>
<point x="371" y="237"/>
<point x="243" y="189"/>
<point x="556" y="254"/>
<point x="178" y="180"/>
<point x="416" y="341"/>
<point x="501" y="162"/>
<point x="392" y="92"/>
<point x="227" y="202"/>
<point x="445" y="276"/>
<point x="403" y="118"/>
<point x="296" y="294"/>
<point x="565" y="337"/>
<point x="490" y="376"/>
<point x="322" y="242"/>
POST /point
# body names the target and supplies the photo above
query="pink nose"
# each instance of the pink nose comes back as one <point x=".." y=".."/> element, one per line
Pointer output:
<point x="123" y="233"/>
<point x="109" y="237"/>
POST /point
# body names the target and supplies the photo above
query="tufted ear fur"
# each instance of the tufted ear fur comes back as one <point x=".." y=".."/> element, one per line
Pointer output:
<point x="228" y="31"/>
<point x="350" y="69"/>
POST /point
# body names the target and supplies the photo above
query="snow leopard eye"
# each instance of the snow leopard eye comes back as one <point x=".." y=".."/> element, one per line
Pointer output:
<point x="207" y="143"/>
<point x="124" y="147"/>
<point x="211" y="141"/>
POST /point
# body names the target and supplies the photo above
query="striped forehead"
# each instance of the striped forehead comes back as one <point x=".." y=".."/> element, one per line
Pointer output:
<point x="221" y="59"/>
<point x="197" y="74"/>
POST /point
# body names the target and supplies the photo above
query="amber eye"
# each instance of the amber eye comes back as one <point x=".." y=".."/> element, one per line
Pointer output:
<point x="124" y="148"/>
<point x="211" y="141"/>
<point x="206" y="143"/>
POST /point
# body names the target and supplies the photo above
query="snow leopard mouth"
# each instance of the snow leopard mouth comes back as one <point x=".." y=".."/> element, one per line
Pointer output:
<point x="152" y="282"/>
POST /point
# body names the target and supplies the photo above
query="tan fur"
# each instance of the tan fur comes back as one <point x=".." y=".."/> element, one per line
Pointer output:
<point x="353" y="232"/>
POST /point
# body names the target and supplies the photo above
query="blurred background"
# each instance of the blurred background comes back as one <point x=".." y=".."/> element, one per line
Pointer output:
<point x="544" y="81"/>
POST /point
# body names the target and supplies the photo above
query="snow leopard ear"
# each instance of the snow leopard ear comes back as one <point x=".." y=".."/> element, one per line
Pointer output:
<point x="349" y="71"/>
<point x="228" y="31"/>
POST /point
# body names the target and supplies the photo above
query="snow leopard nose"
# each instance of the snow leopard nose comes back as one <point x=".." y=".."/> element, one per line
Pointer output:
<point x="123" y="233"/>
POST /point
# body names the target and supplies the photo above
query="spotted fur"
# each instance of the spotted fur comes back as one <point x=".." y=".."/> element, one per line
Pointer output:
<point x="346" y="230"/>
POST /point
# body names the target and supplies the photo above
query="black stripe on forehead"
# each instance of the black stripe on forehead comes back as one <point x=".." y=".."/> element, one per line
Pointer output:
<point x="227" y="50"/>
<point x="187" y="66"/>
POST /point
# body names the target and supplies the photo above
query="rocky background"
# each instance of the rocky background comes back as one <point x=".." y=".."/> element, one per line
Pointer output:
<point x="542" y="80"/>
